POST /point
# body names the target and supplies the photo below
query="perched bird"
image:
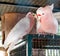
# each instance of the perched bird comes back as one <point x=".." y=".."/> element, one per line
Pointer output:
<point x="46" y="22"/>
<point x="23" y="27"/>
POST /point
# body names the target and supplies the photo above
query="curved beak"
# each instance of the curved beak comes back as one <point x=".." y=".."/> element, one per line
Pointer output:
<point x="35" y="15"/>
<point x="38" y="14"/>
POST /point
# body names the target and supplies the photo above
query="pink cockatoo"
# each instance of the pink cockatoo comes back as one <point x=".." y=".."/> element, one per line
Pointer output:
<point x="23" y="27"/>
<point x="46" y="22"/>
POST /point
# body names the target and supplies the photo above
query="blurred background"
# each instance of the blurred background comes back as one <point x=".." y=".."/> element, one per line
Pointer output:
<point x="24" y="6"/>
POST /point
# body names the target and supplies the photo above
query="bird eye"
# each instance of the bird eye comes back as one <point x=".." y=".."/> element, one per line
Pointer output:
<point x="42" y="13"/>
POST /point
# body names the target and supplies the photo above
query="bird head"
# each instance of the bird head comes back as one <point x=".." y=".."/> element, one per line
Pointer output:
<point x="44" y="11"/>
<point x="30" y="15"/>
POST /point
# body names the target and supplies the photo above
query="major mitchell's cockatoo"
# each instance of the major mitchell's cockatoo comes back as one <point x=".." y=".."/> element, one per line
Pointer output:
<point x="46" y="22"/>
<point x="23" y="27"/>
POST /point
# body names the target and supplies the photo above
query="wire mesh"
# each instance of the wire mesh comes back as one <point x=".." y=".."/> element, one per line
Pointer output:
<point x="58" y="30"/>
<point x="20" y="51"/>
<point x="39" y="44"/>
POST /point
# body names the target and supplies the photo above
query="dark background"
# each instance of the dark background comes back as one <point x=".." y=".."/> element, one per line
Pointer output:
<point x="24" y="6"/>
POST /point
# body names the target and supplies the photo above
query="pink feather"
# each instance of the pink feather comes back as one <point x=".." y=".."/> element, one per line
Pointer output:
<point x="47" y="22"/>
<point x="23" y="27"/>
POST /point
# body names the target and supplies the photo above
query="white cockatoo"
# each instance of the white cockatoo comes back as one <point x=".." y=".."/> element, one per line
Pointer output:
<point x="46" y="22"/>
<point x="23" y="27"/>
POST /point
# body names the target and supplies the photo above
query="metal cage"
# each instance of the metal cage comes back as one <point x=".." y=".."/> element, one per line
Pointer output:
<point x="36" y="45"/>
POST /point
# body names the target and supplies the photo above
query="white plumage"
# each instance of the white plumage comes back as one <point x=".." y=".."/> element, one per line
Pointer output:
<point x="22" y="28"/>
<point x="46" y="22"/>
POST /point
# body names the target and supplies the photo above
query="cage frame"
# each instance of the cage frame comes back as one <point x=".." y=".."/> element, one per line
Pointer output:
<point x="29" y="38"/>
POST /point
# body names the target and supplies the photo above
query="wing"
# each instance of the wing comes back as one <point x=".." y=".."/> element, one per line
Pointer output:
<point x="20" y="29"/>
